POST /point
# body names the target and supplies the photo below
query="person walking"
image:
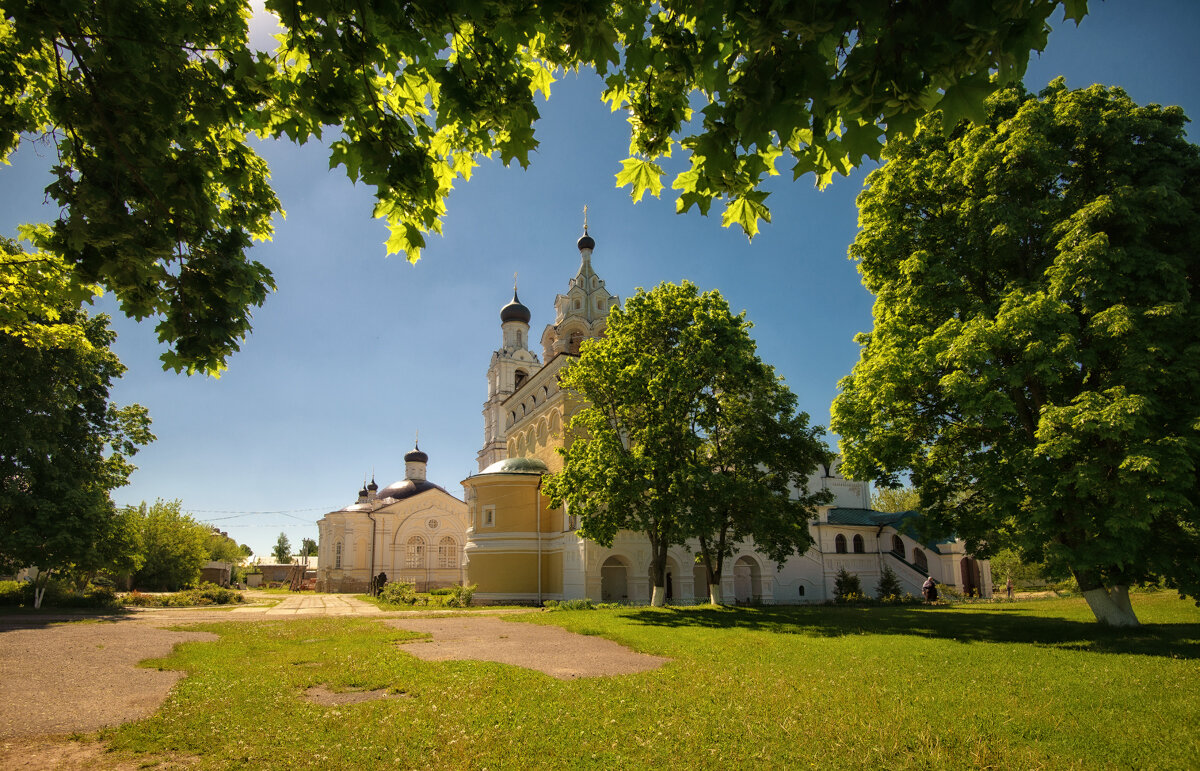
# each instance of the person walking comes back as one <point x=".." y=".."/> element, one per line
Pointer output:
<point x="1009" y="587"/>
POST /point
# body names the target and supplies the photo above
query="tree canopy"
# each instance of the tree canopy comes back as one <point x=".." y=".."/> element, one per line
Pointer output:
<point x="684" y="433"/>
<point x="1034" y="358"/>
<point x="282" y="550"/>
<point x="150" y="108"/>
<point x="63" y="446"/>
<point x="175" y="546"/>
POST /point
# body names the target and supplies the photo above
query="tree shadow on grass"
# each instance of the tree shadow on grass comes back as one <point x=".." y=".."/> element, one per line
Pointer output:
<point x="1179" y="641"/>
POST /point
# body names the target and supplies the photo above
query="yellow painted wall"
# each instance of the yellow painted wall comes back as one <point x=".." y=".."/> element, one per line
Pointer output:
<point x="515" y="573"/>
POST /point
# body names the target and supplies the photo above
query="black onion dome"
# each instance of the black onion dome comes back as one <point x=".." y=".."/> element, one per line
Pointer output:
<point x="585" y="242"/>
<point x="407" y="488"/>
<point x="416" y="456"/>
<point x="372" y="487"/>
<point x="514" y="311"/>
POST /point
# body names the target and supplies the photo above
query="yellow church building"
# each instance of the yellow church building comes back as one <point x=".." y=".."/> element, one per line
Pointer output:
<point x="517" y="549"/>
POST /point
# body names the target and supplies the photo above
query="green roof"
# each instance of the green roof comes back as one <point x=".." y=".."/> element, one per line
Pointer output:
<point x="517" y="466"/>
<point x="902" y="521"/>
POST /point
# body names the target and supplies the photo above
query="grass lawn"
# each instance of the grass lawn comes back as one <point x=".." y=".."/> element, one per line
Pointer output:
<point x="1034" y="684"/>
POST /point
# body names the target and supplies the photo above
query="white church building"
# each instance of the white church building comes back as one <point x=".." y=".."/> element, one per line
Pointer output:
<point x="505" y="539"/>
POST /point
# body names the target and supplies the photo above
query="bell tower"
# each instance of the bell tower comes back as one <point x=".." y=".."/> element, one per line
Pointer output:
<point x="511" y="367"/>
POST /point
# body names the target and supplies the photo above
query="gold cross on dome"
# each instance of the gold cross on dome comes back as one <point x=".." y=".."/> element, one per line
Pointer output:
<point x="585" y="218"/>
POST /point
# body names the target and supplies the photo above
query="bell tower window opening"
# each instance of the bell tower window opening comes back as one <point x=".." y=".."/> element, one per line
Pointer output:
<point x="520" y="378"/>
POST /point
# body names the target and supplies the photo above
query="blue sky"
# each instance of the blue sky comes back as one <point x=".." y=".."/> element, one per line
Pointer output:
<point x="356" y="352"/>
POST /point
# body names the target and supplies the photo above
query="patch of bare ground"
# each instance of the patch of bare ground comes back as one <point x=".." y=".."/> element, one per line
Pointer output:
<point x="64" y="753"/>
<point x="549" y="649"/>
<point x="326" y="698"/>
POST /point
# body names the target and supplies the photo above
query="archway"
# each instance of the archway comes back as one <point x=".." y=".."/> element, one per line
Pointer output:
<point x="670" y="579"/>
<point x="747" y="581"/>
<point x="614" y="581"/>
<point x="700" y="582"/>
<point x="969" y="568"/>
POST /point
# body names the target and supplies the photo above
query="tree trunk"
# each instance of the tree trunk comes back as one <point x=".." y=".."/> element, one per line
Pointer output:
<point x="1110" y="606"/>
<point x="659" y="598"/>
<point x="714" y="593"/>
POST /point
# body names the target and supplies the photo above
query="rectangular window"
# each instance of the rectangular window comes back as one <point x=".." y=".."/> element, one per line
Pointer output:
<point x="489" y="516"/>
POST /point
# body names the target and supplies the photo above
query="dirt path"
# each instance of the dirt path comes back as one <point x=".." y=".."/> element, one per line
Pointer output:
<point x="548" y="649"/>
<point x="75" y="674"/>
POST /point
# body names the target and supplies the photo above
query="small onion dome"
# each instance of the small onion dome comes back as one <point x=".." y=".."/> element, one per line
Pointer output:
<point x="416" y="456"/>
<point x="517" y="466"/>
<point x="585" y="242"/>
<point x="514" y="311"/>
<point x="362" y="493"/>
<point x="372" y="487"/>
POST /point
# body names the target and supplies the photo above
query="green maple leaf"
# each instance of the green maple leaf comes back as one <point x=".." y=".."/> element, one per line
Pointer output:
<point x="643" y="175"/>
<point x="965" y="99"/>
<point x="747" y="211"/>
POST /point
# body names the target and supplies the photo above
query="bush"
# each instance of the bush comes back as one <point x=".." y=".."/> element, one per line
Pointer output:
<point x="581" y="604"/>
<point x="847" y="587"/>
<point x="460" y="596"/>
<point x="59" y="594"/>
<point x="205" y="594"/>
<point x="398" y="593"/>
<point x="445" y="590"/>
<point x="889" y="585"/>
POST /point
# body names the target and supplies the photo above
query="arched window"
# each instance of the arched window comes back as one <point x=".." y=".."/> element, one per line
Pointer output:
<point x="860" y="546"/>
<point x="920" y="561"/>
<point x="574" y="341"/>
<point x="898" y="546"/>
<point x="839" y="544"/>
<point x="447" y="552"/>
<point x="520" y="378"/>
<point x="337" y="556"/>
<point x="415" y="557"/>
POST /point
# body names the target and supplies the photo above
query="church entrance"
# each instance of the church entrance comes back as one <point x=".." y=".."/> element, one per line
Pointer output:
<point x="747" y="581"/>
<point x="970" y="576"/>
<point x="614" y="581"/>
<point x="700" y="582"/>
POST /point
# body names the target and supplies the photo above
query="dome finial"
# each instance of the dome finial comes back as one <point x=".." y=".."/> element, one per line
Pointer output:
<point x="585" y="241"/>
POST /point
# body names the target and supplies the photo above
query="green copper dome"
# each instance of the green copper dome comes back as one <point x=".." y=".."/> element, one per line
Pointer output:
<point x="517" y="466"/>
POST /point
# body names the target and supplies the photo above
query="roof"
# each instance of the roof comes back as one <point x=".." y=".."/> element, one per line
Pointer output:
<point x="517" y="466"/>
<point x="869" y="517"/>
<point x="407" y="488"/>
<point x="903" y="521"/>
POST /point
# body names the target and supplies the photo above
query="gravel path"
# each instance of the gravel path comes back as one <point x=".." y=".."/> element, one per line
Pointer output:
<point x="77" y="673"/>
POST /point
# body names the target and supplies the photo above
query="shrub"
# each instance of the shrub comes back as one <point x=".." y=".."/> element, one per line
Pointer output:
<point x="847" y="587"/>
<point x="460" y="596"/>
<point x="584" y="603"/>
<point x="889" y="585"/>
<point x="398" y="593"/>
<point x="445" y="590"/>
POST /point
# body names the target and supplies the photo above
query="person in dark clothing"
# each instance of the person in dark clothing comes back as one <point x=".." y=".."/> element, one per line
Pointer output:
<point x="929" y="589"/>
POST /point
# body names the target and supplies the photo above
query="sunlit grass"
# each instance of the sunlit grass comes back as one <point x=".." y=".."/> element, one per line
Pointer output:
<point x="1023" y="685"/>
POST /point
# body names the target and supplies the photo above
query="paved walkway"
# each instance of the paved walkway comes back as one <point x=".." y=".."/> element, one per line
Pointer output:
<point x="315" y="604"/>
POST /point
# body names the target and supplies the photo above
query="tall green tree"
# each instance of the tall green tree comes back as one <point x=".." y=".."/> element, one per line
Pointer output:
<point x="151" y="104"/>
<point x="1034" y="359"/>
<point x="750" y="474"/>
<point x="176" y="546"/>
<point x="63" y="446"/>
<point x="665" y="443"/>
<point x="282" y="550"/>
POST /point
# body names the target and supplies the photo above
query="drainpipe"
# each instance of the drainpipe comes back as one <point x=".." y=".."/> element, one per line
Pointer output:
<point x="538" y="503"/>
<point x="372" y="577"/>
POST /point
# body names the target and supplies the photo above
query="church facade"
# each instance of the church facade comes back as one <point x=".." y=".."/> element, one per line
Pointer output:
<point x="517" y="549"/>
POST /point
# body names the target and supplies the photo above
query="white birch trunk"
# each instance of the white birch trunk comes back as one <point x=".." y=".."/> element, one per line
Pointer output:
<point x="1111" y="607"/>
<point x="38" y="594"/>
<point x="659" y="598"/>
<point x="714" y="593"/>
